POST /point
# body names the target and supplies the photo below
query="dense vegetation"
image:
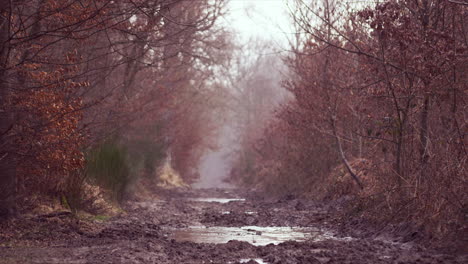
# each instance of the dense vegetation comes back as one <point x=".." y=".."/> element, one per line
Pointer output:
<point x="378" y="112"/>
<point x="102" y="92"/>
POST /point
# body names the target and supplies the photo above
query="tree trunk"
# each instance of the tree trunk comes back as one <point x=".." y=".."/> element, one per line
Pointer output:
<point x="343" y="157"/>
<point x="7" y="157"/>
<point x="424" y="138"/>
<point x="398" y="153"/>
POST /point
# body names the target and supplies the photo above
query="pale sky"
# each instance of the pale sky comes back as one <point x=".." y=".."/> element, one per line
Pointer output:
<point x="266" y="19"/>
<point x="257" y="19"/>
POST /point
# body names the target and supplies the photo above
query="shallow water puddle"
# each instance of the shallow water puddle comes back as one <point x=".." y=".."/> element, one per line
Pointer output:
<point x="255" y="235"/>
<point x="217" y="200"/>
<point x="258" y="260"/>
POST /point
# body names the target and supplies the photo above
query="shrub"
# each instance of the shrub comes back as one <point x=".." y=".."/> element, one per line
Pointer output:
<point x="107" y="165"/>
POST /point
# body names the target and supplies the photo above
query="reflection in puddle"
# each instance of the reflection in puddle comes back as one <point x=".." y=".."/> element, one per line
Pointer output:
<point x="258" y="260"/>
<point x="255" y="235"/>
<point x="216" y="200"/>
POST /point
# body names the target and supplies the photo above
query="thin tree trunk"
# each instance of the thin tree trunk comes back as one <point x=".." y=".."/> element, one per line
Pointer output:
<point x="343" y="157"/>
<point x="327" y="85"/>
<point x="7" y="159"/>
<point x="424" y="138"/>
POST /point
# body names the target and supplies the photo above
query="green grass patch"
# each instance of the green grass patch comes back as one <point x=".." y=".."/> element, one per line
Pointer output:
<point x="107" y="165"/>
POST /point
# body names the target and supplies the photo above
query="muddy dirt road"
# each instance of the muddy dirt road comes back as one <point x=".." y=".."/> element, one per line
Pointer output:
<point x="219" y="226"/>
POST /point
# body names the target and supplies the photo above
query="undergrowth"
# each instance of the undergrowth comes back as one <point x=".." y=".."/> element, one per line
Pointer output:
<point x="107" y="165"/>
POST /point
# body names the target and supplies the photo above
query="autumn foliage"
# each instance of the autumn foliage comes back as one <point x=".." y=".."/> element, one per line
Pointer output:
<point x="379" y="111"/>
<point x="49" y="139"/>
<point x="82" y="77"/>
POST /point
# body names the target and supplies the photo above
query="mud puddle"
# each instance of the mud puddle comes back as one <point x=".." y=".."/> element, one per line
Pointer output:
<point x="216" y="200"/>
<point x="257" y="260"/>
<point x="255" y="235"/>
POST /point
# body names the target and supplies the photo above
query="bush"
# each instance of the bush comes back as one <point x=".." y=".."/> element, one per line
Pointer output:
<point x="107" y="165"/>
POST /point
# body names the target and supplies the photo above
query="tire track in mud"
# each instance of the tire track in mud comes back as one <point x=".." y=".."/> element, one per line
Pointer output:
<point x="148" y="234"/>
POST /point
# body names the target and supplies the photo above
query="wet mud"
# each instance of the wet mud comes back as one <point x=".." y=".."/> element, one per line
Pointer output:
<point x="220" y="226"/>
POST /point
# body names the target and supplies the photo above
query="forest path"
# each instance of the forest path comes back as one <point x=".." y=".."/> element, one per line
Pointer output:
<point x="220" y="226"/>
